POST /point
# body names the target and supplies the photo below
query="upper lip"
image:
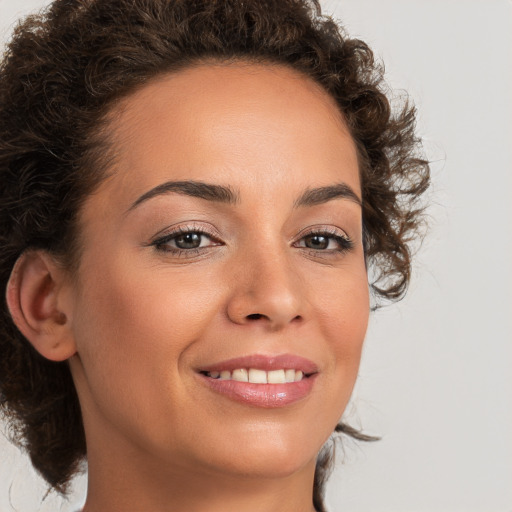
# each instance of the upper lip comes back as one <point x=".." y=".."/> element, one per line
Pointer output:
<point x="264" y="362"/>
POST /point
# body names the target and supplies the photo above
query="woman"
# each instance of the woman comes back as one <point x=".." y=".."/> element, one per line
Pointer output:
<point x="193" y="195"/>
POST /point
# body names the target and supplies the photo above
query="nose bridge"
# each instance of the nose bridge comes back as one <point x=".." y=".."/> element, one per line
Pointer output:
<point x="268" y="288"/>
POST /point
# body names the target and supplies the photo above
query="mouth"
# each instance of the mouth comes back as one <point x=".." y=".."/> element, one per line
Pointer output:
<point x="258" y="376"/>
<point x="262" y="381"/>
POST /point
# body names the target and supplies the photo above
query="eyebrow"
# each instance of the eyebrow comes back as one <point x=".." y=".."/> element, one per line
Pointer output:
<point x="225" y="194"/>
<point x="207" y="191"/>
<point x="320" y="195"/>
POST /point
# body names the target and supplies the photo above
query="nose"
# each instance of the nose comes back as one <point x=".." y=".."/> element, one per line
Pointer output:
<point x="267" y="291"/>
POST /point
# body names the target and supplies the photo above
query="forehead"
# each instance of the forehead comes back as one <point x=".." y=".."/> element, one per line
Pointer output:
<point x="237" y="123"/>
<point x="224" y="84"/>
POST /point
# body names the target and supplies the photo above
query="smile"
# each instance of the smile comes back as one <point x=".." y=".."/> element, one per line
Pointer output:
<point x="261" y="381"/>
<point x="256" y="376"/>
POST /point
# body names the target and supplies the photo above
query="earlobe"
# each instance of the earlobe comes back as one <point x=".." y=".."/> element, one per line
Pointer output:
<point x="34" y="296"/>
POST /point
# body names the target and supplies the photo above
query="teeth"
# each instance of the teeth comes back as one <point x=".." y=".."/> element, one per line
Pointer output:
<point x="240" y="375"/>
<point x="276" y="377"/>
<point x="256" y="376"/>
<point x="289" y="375"/>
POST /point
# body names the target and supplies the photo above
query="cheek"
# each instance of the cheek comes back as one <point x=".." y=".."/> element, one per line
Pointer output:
<point x="342" y="306"/>
<point x="343" y="313"/>
<point x="138" y="307"/>
<point x="134" y="331"/>
<point x="134" y="327"/>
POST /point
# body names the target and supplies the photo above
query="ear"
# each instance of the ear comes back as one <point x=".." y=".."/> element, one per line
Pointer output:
<point x="36" y="298"/>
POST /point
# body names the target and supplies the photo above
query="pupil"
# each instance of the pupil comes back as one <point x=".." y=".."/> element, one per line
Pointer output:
<point x="317" y="242"/>
<point x="188" y="241"/>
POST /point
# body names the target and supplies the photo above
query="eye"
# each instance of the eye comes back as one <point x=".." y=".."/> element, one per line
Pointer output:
<point x="320" y="242"/>
<point x="185" y="241"/>
<point x="189" y="240"/>
<point x="329" y="241"/>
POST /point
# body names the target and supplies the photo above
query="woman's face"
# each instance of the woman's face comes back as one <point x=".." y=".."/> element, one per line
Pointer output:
<point x="228" y="240"/>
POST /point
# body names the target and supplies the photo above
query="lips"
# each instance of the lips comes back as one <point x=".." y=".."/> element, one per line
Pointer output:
<point x="260" y="380"/>
<point x="264" y="362"/>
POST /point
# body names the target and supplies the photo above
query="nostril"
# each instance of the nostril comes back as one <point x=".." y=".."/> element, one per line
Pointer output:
<point x="255" y="316"/>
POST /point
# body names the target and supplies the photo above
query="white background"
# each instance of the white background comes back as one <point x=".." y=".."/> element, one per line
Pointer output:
<point x="436" y="379"/>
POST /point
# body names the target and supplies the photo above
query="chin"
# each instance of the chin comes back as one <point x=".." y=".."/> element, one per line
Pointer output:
<point x="277" y="456"/>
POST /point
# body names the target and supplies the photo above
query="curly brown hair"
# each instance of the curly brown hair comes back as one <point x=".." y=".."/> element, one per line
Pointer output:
<point x="61" y="75"/>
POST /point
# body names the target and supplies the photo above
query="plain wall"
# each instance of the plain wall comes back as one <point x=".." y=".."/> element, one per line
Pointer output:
<point x="435" y="380"/>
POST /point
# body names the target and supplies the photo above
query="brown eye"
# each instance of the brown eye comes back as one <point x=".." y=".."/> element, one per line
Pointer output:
<point x="326" y="241"/>
<point x="317" y="242"/>
<point x="185" y="242"/>
<point x="188" y="240"/>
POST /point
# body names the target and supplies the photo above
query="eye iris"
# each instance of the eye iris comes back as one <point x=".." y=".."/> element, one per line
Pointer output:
<point x="188" y="241"/>
<point x="317" y="242"/>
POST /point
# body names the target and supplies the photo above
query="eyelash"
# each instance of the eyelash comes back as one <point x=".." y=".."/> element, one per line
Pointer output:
<point x="160" y="244"/>
<point x="344" y="242"/>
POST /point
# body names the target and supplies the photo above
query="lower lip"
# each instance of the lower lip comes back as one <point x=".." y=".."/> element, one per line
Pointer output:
<point x="262" y="395"/>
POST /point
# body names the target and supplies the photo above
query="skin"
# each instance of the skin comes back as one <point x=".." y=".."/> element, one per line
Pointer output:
<point x="139" y="320"/>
